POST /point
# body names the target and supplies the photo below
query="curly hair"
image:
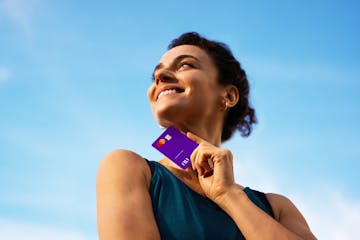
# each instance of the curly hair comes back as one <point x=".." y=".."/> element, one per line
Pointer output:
<point x="241" y="116"/>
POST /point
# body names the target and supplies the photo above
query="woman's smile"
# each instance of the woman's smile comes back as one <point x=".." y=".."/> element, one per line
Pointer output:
<point x="167" y="92"/>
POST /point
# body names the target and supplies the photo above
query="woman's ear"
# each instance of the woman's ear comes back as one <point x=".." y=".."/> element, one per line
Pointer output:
<point x="231" y="95"/>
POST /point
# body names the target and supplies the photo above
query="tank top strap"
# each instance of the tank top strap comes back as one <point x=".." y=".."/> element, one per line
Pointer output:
<point x="151" y="166"/>
<point x="262" y="197"/>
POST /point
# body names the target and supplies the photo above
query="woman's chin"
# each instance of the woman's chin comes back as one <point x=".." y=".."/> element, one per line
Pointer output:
<point x="167" y="111"/>
<point x="168" y="119"/>
<point x="165" y="123"/>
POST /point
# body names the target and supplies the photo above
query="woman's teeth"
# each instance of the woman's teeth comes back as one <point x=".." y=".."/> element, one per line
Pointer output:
<point x="163" y="93"/>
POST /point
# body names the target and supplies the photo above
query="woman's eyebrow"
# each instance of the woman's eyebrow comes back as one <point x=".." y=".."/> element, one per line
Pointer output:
<point x="175" y="61"/>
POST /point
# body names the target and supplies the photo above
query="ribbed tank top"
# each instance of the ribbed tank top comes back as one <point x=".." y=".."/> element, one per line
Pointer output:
<point x="181" y="213"/>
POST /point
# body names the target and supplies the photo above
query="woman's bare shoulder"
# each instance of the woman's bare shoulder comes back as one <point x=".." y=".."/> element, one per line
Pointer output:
<point x="278" y="202"/>
<point x="281" y="205"/>
<point x="124" y="162"/>
<point x="122" y="197"/>
<point x="287" y="214"/>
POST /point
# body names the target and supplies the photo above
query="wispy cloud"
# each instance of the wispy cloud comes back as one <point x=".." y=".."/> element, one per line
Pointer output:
<point x="330" y="213"/>
<point x="17" y="12"/>
<point x="244" y="173"/>
<point x="27" y="231"/>
<point x="5" y="74"/>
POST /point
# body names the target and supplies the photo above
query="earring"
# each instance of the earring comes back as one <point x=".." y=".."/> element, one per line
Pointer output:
<point x="224" y="106"/>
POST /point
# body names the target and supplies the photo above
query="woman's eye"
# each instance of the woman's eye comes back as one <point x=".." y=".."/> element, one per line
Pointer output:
<point x="185" y="65"/>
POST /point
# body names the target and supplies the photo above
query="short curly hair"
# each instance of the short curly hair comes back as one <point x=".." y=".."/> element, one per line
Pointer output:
<point x="242" y="116"/>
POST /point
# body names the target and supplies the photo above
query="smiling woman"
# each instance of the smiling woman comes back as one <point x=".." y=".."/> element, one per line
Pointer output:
<point x="200" y="89"/>
<point x="189" y="71"/>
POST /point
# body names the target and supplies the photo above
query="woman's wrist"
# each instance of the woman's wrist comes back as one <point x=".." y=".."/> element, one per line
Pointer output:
<point x="234" y="193"/>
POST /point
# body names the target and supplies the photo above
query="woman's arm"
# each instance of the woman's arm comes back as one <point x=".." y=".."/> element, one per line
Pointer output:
<point x="289" y="216"/>
<point x="124" y="209"/>
<point x="217" y="182"/>
<point x="256" y="224"/>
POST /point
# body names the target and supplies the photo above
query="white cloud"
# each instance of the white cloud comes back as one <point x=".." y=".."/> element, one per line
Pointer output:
<point x="27" y="231"/>
<point x="251" y="172"/>
<point x="5" y="74"/>
<point x="17" y="12"/>
<point x="329" y="212"/>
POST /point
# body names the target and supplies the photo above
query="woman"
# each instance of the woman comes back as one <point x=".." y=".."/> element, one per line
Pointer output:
<point x="199" y="88"/>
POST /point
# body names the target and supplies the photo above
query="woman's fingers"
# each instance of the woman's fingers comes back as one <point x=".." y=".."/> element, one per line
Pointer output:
<point x="201" y="159"/>
<point x="198" y="163"/>
<point x="213" y="162"/>
<point x="196" y="156"/>
<point x="195" y="138"/>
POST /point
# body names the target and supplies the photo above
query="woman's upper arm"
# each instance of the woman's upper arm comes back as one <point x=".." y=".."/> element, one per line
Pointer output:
<point x="289" y="216"/>
<point x="124" y="209"/>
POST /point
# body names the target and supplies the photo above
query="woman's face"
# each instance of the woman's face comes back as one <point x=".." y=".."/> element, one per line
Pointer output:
<point x="184" y="86"/>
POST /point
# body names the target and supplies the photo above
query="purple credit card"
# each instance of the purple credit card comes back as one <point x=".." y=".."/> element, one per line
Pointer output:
<point x="176" y="146"/>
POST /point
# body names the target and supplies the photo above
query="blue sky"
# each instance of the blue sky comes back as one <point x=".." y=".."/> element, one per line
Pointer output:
<point x="73" y="81"/>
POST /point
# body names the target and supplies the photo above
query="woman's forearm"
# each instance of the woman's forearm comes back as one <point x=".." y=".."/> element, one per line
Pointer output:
<point x="253" y="222"/>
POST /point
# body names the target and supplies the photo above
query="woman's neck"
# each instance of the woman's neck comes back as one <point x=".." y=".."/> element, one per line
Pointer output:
<point x="210" y="132"/>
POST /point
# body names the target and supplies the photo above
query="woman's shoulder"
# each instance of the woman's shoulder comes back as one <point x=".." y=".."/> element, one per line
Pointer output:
<point x="122" y="154"/>
<point x="280" y="204"/>
<point x="124" y="158"/>
<point x="285" y="210"/>
<point x="289" y="216"/>
<point x="125" y="163"/>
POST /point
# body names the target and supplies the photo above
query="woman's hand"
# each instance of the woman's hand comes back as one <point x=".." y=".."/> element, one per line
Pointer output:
<point x="218" y="185"/>
<point x="215" y="168"/>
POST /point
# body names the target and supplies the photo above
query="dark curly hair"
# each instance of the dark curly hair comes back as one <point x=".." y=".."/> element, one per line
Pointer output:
<point x="242" y="115"/>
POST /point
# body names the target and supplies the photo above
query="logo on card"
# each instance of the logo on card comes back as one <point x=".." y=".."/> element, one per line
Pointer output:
<point x="162" y="141"/>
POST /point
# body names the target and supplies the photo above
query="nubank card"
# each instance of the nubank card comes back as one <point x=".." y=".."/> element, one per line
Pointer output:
<point x="176" y="146"/>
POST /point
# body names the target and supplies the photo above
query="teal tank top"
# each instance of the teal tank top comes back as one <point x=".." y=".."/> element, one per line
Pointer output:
<point x="182" y="213"/>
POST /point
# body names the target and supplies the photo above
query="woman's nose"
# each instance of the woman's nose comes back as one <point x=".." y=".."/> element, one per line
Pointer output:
<point x="164" y="76"/>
